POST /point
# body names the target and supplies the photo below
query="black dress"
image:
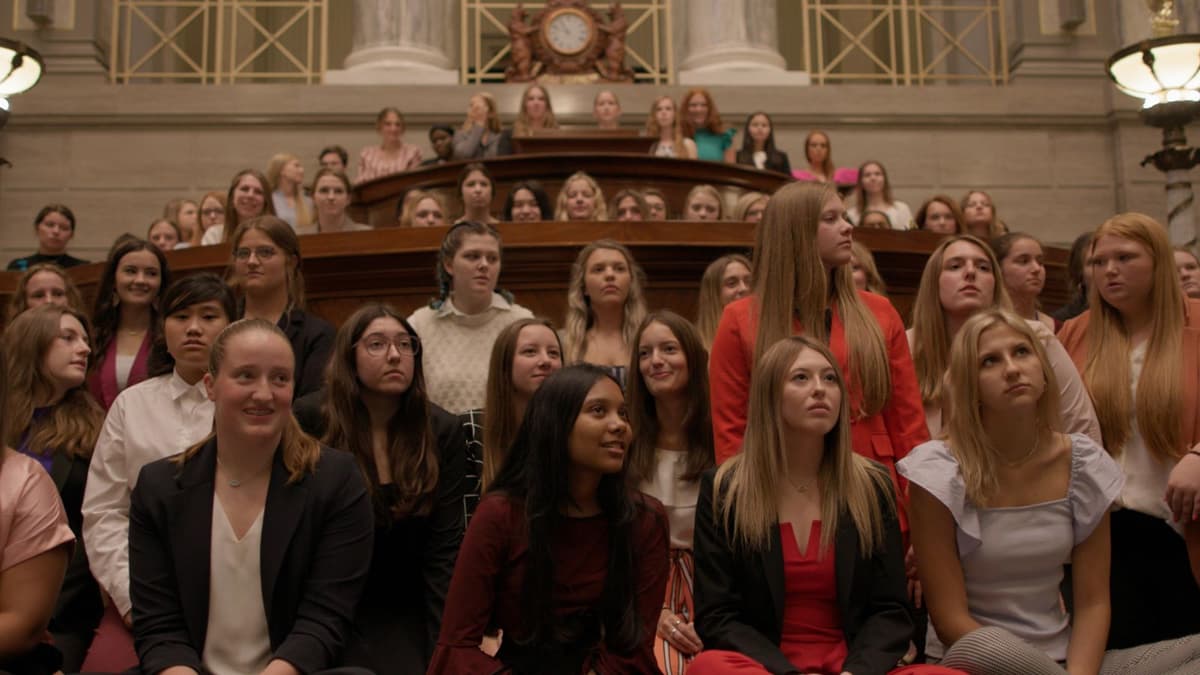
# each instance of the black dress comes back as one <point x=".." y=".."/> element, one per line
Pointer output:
<point x="400" y="613"/>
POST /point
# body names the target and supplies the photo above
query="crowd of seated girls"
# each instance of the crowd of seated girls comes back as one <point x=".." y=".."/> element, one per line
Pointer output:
<point x="200" y="476"/>
<point x="691" y="128"/>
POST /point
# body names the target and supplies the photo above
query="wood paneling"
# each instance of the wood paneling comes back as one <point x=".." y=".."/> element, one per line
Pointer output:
<point x="344" y="270"/>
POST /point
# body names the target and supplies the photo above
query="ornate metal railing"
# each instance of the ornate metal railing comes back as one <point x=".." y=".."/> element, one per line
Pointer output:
<point x="219" y="41"/>
<point x="905" y="42"/>
<point x="485" y="47"/>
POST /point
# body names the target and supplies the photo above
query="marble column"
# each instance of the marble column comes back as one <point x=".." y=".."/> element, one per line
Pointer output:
<point x="401" y="42"/>
<point x="733" y="42"/>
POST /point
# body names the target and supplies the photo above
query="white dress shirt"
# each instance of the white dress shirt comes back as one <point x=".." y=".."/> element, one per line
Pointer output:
<point x="156" y="418"/>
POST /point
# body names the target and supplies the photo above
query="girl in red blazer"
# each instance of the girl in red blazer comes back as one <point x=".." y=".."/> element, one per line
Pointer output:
<point x="804" y="284"/>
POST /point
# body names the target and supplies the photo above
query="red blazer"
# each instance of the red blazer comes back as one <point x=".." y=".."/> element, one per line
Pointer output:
<point x="885" y="437"/>
<point x="102" y="381"/>
<point x="1074" y="338"/>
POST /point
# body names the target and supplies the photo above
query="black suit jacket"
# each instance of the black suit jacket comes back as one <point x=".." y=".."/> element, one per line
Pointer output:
<point x="79" y="606"/>
<point x="740" y="594"/>
<point x="312" y="341"/>
<point x="316" y="551"/>
<point x="777" y="160"/>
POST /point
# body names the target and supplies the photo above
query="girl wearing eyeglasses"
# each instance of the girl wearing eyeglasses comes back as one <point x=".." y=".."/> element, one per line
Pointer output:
<point x="265" y="274"/>
<point x="460" y="326"/>
<point x="412" y="453"/>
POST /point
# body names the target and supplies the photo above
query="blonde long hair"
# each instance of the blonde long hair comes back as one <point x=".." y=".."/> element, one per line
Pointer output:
<point x="301" y="452"/>
<point x="653" y="130"/>
<point x="931" y="341"/>
<point x="274" y="170"/>
<point x="600" y="212"/>
<point x="1159" y="403"/>
<point x="752" y="481"/>
<point x="790" y="282"/>
<point x="74" y="422"/>
<point x="521" y="126"/>
<point x="579" y="310"/>
<point x="708" y="314"/>
<point x="976" y="454"/>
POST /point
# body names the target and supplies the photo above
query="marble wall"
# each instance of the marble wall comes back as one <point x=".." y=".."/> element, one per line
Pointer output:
<point x="1058" y="158"/>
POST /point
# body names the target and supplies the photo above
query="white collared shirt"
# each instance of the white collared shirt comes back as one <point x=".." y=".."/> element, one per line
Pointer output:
<point x="156" y="418"/>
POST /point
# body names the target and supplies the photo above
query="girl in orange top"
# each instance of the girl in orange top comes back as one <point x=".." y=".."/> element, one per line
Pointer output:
<point x="803" y="283"/>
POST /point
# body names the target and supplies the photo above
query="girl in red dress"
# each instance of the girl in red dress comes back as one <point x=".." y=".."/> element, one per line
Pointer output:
<point x="803" y="283"/>
<point x="798" y="555"/>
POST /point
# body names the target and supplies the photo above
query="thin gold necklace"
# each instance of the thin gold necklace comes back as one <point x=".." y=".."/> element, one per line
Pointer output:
<point x="1032" y="451"/>
<point x="802" y="489"/>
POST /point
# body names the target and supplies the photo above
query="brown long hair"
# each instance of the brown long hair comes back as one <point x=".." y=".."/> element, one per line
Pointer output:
<point x="790" y="282"/>
<point x="751" y="482"/>
<point x="1158" y="405"/>
<point x="411" y="450"/>
<point x="300" y="452"/>
<point x="231" y="214"/>
<point x="74" y="422"/>
<point x="643" y="414"/>
<point x="500" y="408"/>
<point x="282" y="235"/>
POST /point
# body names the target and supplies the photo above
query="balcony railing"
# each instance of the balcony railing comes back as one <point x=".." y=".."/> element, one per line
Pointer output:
<point x="905" y="42"/>
<point x="219" y="41"/>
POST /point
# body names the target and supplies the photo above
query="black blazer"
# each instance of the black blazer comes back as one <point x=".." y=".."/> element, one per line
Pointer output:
<point x="79" y="606"/>
<point x="316" y="551"/>
<point x="414" y="557"/>
<point x="740" y="594"/>
<point x="312" y="341"/>
<point x="777" y="160"/>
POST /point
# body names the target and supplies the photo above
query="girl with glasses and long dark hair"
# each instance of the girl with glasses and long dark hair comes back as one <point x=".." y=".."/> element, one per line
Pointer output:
<point x="413" y="456"/>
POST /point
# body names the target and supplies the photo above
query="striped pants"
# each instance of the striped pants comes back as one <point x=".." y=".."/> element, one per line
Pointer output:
<point x="996" y="651"/>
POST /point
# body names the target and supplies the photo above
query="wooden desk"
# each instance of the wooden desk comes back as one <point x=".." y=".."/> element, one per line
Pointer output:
<point x="588" y="140"/>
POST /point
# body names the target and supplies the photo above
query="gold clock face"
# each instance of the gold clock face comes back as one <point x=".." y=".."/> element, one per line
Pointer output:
<point x="568" y="31"/>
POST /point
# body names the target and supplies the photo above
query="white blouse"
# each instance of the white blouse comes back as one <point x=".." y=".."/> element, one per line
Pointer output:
<point x="155" y="418"/>
<point x="237" y="641"/>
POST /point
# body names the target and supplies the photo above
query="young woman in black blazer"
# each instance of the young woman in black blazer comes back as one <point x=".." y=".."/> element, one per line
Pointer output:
<point x="758" y="145"/>
<point x="413" y="455"/>
<point x="249" y="550"/>
<point x="798" y="556"/>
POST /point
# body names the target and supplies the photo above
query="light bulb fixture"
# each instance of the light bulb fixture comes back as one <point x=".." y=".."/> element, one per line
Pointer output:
<point x="20" y="67"/>
<point x="1164" y="72"/>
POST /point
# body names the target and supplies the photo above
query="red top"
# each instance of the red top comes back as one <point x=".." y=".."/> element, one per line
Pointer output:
<point x="486" y="589"/>
<point x="885" y="437"/>
<point x="812" y="637"/>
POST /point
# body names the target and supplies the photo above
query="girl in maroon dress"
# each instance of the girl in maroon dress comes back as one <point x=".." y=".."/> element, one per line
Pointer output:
<point x="798" y="555"/>
<point x="560" y="556"/>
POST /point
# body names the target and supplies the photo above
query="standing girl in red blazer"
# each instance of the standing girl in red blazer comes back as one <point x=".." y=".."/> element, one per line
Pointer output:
<point x="804" y="284"/>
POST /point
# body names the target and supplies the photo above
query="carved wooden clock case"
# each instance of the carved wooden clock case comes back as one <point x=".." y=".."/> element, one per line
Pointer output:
<point x="566" y="38"/>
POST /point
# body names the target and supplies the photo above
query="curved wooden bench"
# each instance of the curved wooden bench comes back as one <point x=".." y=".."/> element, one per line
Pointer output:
<point x="376" y="201"/>
<point x="343" y="270"/>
